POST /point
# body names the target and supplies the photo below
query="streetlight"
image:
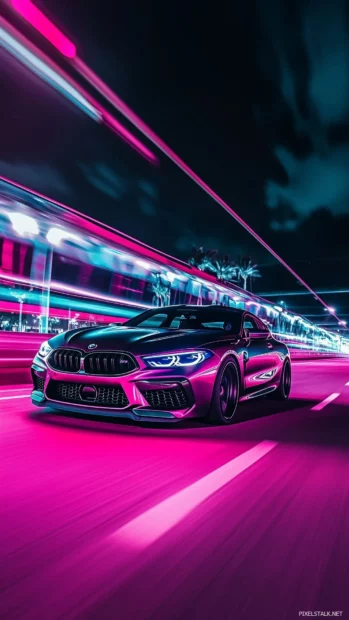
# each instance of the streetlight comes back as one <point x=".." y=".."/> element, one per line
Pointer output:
<point x="23" y="224"/>
<point x="54" y="237"/>
<point x="20" y="298"/>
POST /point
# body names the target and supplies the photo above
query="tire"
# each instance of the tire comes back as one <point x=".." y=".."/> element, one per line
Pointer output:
<point x="225" y="395"/>
<point x="282" y="392"/>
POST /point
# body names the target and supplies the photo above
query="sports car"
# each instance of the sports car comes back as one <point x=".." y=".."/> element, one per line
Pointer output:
<point x="166" y="364"/>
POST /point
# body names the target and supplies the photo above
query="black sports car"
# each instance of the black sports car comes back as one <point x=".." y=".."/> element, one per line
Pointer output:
<point x="167" y="364"/>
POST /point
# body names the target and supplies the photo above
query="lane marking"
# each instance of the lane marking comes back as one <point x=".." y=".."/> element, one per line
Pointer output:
<point x="155" y="522"/>
<point x="12" y="397"/>
<point x="325" y="402"/>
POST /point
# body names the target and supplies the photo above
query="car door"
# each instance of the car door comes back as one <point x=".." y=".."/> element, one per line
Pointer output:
<point x="260" y="357"/>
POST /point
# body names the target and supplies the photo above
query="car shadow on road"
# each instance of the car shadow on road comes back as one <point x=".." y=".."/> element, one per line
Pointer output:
<point x="251" y="410"/>
<point x="292" y="422"/>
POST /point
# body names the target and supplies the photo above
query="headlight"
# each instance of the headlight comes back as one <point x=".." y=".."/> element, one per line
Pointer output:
<point x="45" y="349"/>
<point x="190" y="358"/>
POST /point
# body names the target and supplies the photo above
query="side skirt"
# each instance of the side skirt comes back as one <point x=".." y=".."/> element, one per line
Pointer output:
<point x="262" y="392"/>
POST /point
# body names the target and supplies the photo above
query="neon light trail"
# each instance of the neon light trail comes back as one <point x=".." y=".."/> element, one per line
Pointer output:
<point x="43" y="25"/>
<point x="96" y="246"/>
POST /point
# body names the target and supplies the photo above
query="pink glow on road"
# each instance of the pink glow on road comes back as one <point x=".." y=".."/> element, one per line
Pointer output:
<point x="43" y="25"/>
<point x="17" y="396"/>
<point x="154" y="523"/>
<point x="15" y="359"/>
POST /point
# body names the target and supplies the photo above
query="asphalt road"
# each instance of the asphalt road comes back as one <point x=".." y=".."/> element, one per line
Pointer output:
<point x="102" y="519"/>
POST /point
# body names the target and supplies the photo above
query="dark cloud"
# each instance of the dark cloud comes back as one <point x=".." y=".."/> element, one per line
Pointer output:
<point x="317" y="178"/>
<point x="40" y="175"/>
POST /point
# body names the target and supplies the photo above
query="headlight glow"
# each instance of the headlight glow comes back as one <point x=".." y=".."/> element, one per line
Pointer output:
<point x="189" y="358"/>
<point x="45" y="349"/>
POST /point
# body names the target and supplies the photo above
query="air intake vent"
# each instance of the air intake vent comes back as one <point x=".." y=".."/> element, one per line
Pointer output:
<point x="38" y="382"/>
<point x="170" y="398"/>
<point x="96" y="396"/>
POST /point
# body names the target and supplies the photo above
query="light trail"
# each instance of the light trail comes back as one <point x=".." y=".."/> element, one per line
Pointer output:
<point x="41" y="23"/>
<point x="73" y="290"/>
<point x="126" y="111"/>
<point x="295" y="293"/>
<point x="37" y="62"/>
<point x="12" y="397"/>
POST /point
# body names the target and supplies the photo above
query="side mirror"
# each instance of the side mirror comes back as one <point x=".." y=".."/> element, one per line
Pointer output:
<point x="246" y="334"/>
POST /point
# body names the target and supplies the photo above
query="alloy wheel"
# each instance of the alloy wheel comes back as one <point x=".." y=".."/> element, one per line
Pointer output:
<point x="228" y="392"/>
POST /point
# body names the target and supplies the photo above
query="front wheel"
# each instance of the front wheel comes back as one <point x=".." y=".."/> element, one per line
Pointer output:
<point x="282" y="392"/>
<point x="225" y="396"/>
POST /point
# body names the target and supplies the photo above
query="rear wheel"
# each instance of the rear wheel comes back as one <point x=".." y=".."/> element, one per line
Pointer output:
<point x="225" y="395"/>
<point x="282" y="392"/>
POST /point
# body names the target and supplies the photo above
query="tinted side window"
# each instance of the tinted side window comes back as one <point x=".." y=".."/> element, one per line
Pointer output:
<point x="261" y="326"/>
<point x="154" y="321"/>
<point x="250" y="323"/>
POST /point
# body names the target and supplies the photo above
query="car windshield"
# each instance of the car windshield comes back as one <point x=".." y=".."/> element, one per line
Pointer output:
<point x="178" y="318"/>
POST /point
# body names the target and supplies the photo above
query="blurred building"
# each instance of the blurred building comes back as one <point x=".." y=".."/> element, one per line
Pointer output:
<point x="59" y="270"/>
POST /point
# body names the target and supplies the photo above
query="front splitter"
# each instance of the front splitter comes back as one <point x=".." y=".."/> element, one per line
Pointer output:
<point x="136" y="414"/>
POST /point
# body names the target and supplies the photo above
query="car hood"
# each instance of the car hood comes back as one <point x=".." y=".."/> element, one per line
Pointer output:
<point x="135" y="340"/>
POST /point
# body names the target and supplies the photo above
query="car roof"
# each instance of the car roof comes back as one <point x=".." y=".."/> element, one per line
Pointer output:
<point x="196" y="307"/>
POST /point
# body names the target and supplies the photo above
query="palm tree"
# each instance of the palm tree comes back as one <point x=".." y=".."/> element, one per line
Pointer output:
<point x="202" y="259"/>
<point x="225" y="269"/>
<point x="246" y="270"/>
<point x="161" y="292"/>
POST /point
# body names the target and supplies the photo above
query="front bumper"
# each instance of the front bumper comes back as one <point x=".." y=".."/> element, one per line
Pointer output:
<point x="144" y="394"/>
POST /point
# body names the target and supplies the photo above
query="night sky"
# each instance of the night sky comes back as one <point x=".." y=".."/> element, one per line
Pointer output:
<point x="253" y="95"/>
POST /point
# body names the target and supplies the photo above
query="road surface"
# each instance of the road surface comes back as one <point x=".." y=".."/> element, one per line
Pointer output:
<point x="102" y="519"/>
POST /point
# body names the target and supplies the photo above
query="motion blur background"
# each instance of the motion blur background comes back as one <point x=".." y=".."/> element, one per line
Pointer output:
<point x="254" y="97"/>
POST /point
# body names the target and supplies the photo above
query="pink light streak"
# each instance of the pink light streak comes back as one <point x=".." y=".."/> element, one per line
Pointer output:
<point x="114" y="124"/>
<point x="6" y="360"/>
<point x="58" y="313"/>
<point x="42" y="24"/>
<point x="155" y="522"/>
<point x="58" y="287"/>
<point x="11" y="397"/>
<point x="124" y="109"/>
<point x="65" y="82"/>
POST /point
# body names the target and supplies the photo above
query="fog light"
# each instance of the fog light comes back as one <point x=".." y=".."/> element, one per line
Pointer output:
<point x="37" y="397"/>
<point x="149" y="413"/>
